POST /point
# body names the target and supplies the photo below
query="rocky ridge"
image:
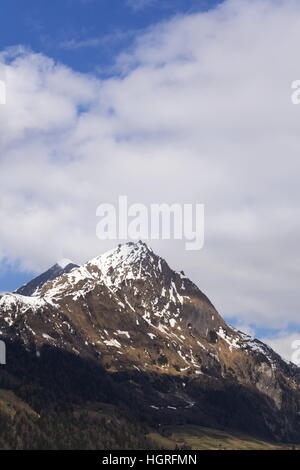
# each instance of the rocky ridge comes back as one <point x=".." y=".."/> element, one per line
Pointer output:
<point x="130" y="312"/>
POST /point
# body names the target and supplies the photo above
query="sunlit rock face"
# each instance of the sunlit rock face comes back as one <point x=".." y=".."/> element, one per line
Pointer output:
<point x="128" y="311"/>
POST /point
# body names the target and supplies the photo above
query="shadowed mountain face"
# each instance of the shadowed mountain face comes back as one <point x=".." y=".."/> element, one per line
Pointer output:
<point x="159" y="338"/>
<point x="37" y="283"/>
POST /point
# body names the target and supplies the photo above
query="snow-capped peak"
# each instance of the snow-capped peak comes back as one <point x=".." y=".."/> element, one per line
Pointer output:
<point x="64" y="262"/>
<point x="33" y="287"/>
<point x="128" y="261"/>
<point x="124" y="255"/>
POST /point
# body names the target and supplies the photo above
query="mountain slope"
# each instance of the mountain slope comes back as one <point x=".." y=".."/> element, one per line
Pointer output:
<point x="162" y="341"/>
<point x="58" y="269"/>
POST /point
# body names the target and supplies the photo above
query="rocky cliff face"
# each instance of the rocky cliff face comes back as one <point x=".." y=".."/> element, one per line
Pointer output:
<point x="158" y="335"/>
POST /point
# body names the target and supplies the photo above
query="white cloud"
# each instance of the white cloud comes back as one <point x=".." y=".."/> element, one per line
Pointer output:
<point x="202" y="113"/>
<point x="107" y="40"/>
<point x="137" y="5"/>
<point x="287" y="345"/>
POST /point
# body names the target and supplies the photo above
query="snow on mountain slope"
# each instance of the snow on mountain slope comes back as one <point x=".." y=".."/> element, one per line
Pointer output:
<point x="128" y="312"/>
<point x="131" y="311"/>
<point x="33" y="286"/>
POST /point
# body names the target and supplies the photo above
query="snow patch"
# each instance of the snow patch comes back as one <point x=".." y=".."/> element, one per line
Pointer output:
<point x="112" y="342"/>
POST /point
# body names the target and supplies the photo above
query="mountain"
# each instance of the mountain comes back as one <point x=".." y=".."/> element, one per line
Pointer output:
<point x="126" y="330"/>
<point x="62" y="267"/>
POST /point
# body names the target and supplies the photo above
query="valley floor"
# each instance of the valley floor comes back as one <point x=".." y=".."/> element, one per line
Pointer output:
<point x="201" y="438"/>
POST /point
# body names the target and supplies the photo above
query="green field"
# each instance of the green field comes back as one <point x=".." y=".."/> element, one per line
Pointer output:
<point x="201" y="438"/>
<point x="106" y="418"/>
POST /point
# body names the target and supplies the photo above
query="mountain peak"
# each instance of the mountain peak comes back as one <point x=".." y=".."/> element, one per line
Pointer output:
<point x="64" y="262"/>
<point x="33" y="287"/>
<point x="129" y="310"/>
<point x="124" y="255"/>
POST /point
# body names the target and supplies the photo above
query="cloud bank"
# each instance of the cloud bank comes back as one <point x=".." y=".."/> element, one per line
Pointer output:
<point x="199" y="110"/>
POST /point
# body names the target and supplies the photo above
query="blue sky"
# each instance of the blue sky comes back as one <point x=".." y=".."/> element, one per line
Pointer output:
<point x="11" y="277"/>
<point x="85" y="34"/>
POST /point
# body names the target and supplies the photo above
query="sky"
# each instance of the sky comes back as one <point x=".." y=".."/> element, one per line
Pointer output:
<point x="163" y="101"/>
<point x="86" y="34"/>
